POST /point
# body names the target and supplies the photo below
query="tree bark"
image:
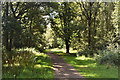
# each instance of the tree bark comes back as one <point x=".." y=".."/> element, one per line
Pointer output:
<point x="11" y="41"/>
<point x="89" y="37"/>
<point x="6" y="32"/>
<point x="89" y="26"/>
<point x="6" y="40"/>
<point x="67" y="46"/>
<point x="30" y="29"/>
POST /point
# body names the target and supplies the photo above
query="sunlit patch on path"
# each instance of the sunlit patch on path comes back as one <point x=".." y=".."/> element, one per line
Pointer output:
<point x="63" y="69"/>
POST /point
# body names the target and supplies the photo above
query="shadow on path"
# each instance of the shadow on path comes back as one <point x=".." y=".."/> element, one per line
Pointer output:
<point x="63" y="70"/>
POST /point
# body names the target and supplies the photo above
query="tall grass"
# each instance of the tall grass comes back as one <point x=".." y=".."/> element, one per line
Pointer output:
<point x="27" y="63"/>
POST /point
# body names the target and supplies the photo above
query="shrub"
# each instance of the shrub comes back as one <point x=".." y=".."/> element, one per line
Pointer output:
<point x="20" y="57"/>
<point x="107" y="57"/>
<point x="87" y="52"/>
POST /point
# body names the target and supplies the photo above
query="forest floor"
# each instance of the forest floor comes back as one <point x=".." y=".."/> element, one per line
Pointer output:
<point x="86" y="66"/>
<point x="64" y="70"/>
<point x="30" y="63"/>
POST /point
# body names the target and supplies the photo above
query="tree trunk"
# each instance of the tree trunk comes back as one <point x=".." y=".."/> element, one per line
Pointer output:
<point x="6" y="32"/>
<point x="11" y="40"/>
<point x="6" y="40"/>
<point x="89" y="36"/>
<point x="89" y="26"/>
<point x="67" y="46"/>
<point x="30" y="40"/>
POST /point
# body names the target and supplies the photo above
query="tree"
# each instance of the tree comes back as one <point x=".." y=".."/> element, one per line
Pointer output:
<point x="89" y="12"/>
<point x="20" y="29"/>
<point x="62" y="23"/>
<point x="116" y="22"/>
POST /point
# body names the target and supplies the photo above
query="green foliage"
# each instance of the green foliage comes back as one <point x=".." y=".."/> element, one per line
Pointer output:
<point x="87" y="52"/>
<point x="108" y="57"/>
<point x="23" y="63"/>
<point x="23" y="25"/>
<point x="85" y="26"/>
<point x="90" y="69"/>
<point x="52" y="41"/>
<point x="80" y="25"/>
<point x="63" y="22"/>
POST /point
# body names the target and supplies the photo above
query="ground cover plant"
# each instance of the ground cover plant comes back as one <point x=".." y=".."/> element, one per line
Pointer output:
<point x="27" y="63"/>
<point x="89" y="67"/>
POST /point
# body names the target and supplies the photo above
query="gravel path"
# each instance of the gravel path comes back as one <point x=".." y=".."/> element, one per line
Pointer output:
<point x="63" y="70"/>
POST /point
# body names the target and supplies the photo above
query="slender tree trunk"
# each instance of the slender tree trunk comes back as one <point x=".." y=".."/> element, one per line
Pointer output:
<point x="6" y="40"/>
<point x="67" y="46"/>
<point x="30" y="28"/>
<point x="89" y="26"/>
<point x="11" y="40"/>
<point x="6" y="32"/>
<point x="89" y="36"/>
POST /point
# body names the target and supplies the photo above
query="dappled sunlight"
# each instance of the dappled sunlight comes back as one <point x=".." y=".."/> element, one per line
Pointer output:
<point x="63" y="50"/>
<point x="72" y="69"/>
<point x="57" y="50"/>
<point x="58" y="66"/>
<point x="17" y="64"/>
<point x="89" y="68"/>
<point x="41" y="54"/>
<point x="82" y="66"/>
<point x="5" y="65"/>
<point x="66" y="74"/>
<point x="32" y="50"/>
<point x="37" y="66"/>
<point x="90" y="75"/>
<point x="55" y="69"/>
<point x="83" y="58"/>
<point x="46" y="66"/>
<point x="26" y="62"/>
<point x="39" y="38"/>
<point x="27" y="49"/>
<point x="92" y="65"/>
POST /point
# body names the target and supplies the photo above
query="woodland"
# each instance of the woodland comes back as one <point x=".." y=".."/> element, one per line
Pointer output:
<point x="82" y="33"/>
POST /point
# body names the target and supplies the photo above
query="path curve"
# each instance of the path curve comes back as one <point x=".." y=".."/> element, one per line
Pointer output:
<point x="63" y="70"/>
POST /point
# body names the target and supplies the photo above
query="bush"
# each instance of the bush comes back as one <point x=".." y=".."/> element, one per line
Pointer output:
<point x="20" y="57"/>
<point x="26" y="63"/>
<point x="107" y="57"/>
<point x="87" y="52"/>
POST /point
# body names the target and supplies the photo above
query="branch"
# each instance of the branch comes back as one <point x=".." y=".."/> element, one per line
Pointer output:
<point x="87" y="16"/>
<point x="12" y="9"/>
<point x="11" y="6"/>
<point x="18" y="3"/>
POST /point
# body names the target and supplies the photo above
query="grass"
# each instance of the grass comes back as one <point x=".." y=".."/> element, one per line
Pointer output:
<point x="62" y="50"/>
<point x="88" y="66"/>
<point x="29" y="63"/>
<point x="90" y="69"/>
<point x="36" y="65"/>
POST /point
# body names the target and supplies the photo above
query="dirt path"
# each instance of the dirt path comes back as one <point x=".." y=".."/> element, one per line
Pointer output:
<point x="64" y="71"/>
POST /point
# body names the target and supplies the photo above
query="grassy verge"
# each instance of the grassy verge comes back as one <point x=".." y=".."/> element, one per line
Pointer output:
<point x="27" y="64"/>
<point x="90" y="69"/>
<point x="88" y="66"/>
